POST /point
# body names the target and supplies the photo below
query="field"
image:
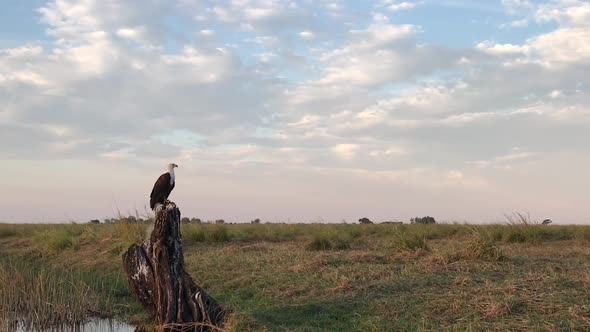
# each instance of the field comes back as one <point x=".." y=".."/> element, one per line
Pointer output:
<point x="517" y="277"/>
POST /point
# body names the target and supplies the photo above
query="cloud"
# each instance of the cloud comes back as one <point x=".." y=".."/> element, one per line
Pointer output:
<point x="291" y="90"/>
<point x="506" y="161"/>
<point x="565" y="12"/>
<point x="397" y="6"/>
<point x="111" y="91"/>
<point x="521" y="23"/>
<point x="346" y="151"/>
<point x="307" y="35"/>
<point x="514" y="7"/>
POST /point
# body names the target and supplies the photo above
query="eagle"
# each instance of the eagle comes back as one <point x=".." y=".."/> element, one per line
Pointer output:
<point x="163" y="186"/>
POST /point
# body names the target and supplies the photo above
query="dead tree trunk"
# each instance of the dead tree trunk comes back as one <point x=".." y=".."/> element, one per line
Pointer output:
<point x="155" y="271"/>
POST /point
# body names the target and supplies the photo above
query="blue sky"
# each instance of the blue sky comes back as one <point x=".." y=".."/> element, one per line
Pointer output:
<point x="451" y="23"/>
<point x="296" y="110"/>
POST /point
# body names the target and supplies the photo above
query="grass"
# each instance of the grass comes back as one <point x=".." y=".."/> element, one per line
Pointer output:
<point x="330" y="240"/>
<point x="37" y="297"/>
<point x="320" y="277"/>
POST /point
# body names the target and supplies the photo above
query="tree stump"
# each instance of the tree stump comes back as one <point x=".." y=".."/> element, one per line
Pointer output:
<point x="155" y="271"/>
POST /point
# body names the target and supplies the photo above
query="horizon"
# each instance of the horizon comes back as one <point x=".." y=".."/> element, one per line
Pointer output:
<point x="296" y="110"/>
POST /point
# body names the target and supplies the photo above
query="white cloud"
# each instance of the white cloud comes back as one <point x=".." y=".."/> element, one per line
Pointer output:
<point x="566" y="12"/>
<point x="391" y="151"/>
<point x="306" y="121"/>
<point x="401" y="6"/>
<point x="207" y="32"/>
<point x="500" y="49"/>
<point x="565" y="45"/>
<point x="346" y="151"/>
<point x="129" y="33"/>
<point x="194" y="65"/>
<point x="555" y="94"/>
<point x="376" y="55"/>
<point x="455" y="175"/>
<point x="521" y="23"/>
<point x="516" y="6"/>
<point x="505" y="162"/>
<point x="307" y="35"/>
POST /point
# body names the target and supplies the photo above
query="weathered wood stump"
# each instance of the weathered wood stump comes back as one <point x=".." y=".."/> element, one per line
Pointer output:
<point x="155" y="271"/>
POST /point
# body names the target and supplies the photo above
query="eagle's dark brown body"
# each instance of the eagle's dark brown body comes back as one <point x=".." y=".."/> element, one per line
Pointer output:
<point x="161" y="190"/>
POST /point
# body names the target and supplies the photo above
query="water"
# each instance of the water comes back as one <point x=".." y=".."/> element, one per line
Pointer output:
<point x="98" y="325"/>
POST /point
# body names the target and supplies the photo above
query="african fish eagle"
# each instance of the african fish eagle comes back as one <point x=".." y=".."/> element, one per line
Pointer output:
<point x="163" y="186"/>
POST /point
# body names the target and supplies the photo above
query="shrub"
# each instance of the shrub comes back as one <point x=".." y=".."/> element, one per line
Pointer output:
<point x="404" y="240"/>
<point x="515" y="236"/>
<point x="7" y="231"/>
<point x="520" y="219"/>
<point x="536" y="233"/>
<point x="365" y="221"/>
<point x="423" y="220"/>
<point x="130" y="232"/>
<point x="192" y="234"/>
<point x="329" y="241"/>
<point x="480" y="246"/>
<point x="218" y="234"/>
<point x="580" y="232"/>
<point x="56" y="239"/>
<point x="204" y="233"/>
<point x="319" y="243"/>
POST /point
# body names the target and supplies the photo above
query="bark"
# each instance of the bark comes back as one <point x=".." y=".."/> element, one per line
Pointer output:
<point x="155" y="271"/>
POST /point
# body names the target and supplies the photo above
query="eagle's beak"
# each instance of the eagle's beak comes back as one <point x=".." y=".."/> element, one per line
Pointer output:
<point x="175" y="165"/>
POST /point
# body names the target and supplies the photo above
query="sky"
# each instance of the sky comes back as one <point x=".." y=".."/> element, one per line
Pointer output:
<point x="296" y="111"/>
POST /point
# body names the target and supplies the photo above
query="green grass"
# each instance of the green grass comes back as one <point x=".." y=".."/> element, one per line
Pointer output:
<point x="324" y="277"/>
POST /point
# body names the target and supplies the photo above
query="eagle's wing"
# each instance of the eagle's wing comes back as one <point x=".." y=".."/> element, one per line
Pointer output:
<point x="162" y="185"/>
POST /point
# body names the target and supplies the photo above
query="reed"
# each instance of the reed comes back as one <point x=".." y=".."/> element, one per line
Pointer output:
<point x="38" y="298"/>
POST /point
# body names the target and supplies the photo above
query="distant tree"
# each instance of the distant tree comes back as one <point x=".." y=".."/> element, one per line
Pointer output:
<point x="196" y="221"/>
<point x="547" y="222"/>
<point x="130" y="219"/>
<point x="220" y="221"/>
<point x="255" y="221"/>
<point x="185" y="220"/>
<point x="365" y="220"/>
<point x="423" y="220"/>
<point x="95" y="221"/>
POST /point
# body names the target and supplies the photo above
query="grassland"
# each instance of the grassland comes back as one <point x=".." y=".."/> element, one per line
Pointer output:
<point x="517" y="277"/>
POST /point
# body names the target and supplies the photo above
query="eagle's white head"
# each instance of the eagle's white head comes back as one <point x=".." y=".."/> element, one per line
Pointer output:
<point x="171" y="168"/>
